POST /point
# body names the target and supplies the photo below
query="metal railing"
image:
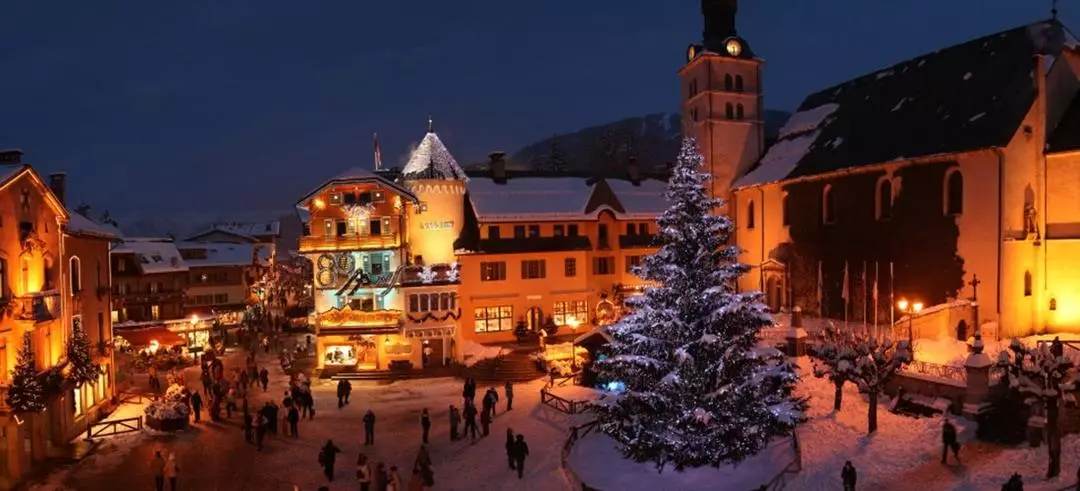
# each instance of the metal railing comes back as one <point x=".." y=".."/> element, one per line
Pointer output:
<point x="115" y="427"/>
<point x="562" y="404"/>
<point x="958" y="374"/>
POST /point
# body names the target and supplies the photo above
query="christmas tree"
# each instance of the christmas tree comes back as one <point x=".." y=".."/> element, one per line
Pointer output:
<point x="26" y="395"/>
<point x="83" y="370"/>
<point x="698" y="389"/>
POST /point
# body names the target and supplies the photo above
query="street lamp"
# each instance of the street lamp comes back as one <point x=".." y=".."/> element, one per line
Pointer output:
<point x="573" y="322"/>
<point x="910" y="308"/>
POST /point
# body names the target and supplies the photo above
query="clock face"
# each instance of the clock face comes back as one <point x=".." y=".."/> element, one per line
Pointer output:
<point x="734" y="47"/>
<point x="691" y="52"/>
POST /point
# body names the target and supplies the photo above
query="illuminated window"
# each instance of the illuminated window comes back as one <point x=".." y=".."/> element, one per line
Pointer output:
<point x="493" y="271"/>
<point x="750" y="215"/>
<point x="493" y="319"/>
<point x="335" y="198"/>
<point x="75" y="274"/>
<point x="328" y="228"/>
<point x="378" y="196"/>
<point x="76" y="401"/>
<point x="155" y="312"/>
<point x="573" y="309"/>
<point x="386" y="226"/>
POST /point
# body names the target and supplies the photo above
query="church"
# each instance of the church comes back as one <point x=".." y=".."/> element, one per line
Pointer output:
<point x="953" y="175"/>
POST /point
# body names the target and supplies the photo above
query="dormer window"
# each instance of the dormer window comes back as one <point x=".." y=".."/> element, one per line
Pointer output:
<point x="349" y="198"/>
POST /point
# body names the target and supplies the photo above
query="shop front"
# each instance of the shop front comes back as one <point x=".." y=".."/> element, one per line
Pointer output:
<point x="346" y="350"/>
<point x="435" y="344"/>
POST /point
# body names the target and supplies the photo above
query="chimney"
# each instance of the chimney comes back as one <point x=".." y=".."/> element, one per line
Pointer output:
<point x="12" y="156"/>
<point x="498" y="166"/>
<point x="58" y="185"/>
<point x="633" y="172"/>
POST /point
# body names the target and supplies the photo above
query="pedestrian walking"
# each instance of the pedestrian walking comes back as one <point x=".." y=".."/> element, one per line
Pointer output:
<point x="455" y="420"/>
<point x="494" y="395"/>
<point x="155" y="383"/>
<point x="1015" y="483"/>
<point x="423" y="458"/>
<point x="327" y="456"/>
<point x="949" y="441"/>
<point x="294" y="422"/>
<point x="425" y="423"/>
<point x="172" y="470"/>
<point x="264" y="377"/>
<point x="340" y="394"/>
<point x="348" y="391"/>
<point x="394" y="482"/>
<point x="849" y="476"/>
<point x="369" y="428"/>
<point x="363" y="472"/>
<point x="158" y="468"/>
<point x="510" y="447"/>
<point x="206" y="382"/>
<point x="470" y="420"/>
<point x="260" y="430"/>
<point x="196" y="406"/>
<point x="485" y="422"/>
<point x="469" y="392"/>
<point x="509" y="390"/>
<point x="521" y="450"/>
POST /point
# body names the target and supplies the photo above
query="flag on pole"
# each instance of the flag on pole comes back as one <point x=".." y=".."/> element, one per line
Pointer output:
<point x="875" y="292"/>
<point x="892" y="309"/>
<point x="820" y="285"/>
<point x="378" y="153"/>
<point x="845" y="294"/>
<point x="863" y="313"/>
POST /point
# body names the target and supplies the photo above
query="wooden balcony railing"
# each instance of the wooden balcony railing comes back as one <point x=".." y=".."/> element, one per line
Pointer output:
<point x="347" y="317"/>
<point x="349" y="242"/>
<point x="38" y="307"/>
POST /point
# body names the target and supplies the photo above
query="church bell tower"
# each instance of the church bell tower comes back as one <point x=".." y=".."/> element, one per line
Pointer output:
<point x="722" y="97"/>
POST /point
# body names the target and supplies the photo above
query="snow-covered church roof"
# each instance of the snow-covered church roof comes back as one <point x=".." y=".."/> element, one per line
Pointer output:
<point x="431" y="160"/>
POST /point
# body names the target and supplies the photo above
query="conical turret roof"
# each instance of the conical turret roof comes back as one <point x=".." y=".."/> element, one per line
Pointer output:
<point x="431" y="160"/>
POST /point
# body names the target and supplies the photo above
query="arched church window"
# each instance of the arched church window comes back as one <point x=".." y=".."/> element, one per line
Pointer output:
<point x="784" y="212"/>
<point x="739" y="112"/>
<point x="750" y="215"/>
<point x="738" y="83"/>
<point x="728" y="83"/>
<point x="884" y="199"/>
<point x="1027" y="283"/>
<point x="828" y="206"/>
<point x="954" y="193"/>
<point x="729" y="111"/>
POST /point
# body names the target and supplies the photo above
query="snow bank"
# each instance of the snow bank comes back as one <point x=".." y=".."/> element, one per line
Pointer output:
<point x="473" y="352"/>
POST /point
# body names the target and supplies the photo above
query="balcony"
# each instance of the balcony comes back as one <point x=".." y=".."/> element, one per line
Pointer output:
<point x="349" y="318"/>
<point x="38" y="307"/>
<point x="318" y="243"/>
<point x="637" y="241"/>
<point x="134" y="298"/>
<point x="432" y="274"/>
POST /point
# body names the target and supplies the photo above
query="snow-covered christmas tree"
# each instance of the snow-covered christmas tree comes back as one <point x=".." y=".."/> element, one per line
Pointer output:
<point x="698" y="389"/>
<point x="83" y="371"/>
<point x="26" y="395"/>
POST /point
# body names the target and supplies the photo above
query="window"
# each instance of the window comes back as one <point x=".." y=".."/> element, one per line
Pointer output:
<point x="221" y="298"/>
<point x="24" y="278"/>
<point x="729" y="111"/>
<point x="828" y="206"/>
<point x="954" y="193"/>
<point x="603" y="265"/>
<point x="750" y="215"/>
<point x="884" y="199"/>
<point x="493" y="232"/>
<point x="76" y="273"/>
<point x="560" y="230"/>
<point x="76" y="401"/>
<point x="364" y="198"/>
<point x="572" y="230"/>
<point x="414" y="303"/>
<point x="444" y="301"/>
<point x="631" y="229"/>
<point x="692" y="88"/>
<point x="155" y="312"/>
<point x="728" y="82"/>
<point x="378" y="196"/>
<point x="785" y="216"/>
<point x="533" y="269"/>
<point x="335" y="198"/>
<point x="602" y="236"/>
<point x="375" y="227"/>
<point x="632" y="262"/>
<point x="101" y="328"/>
<point x="643" y="229"/>
<point x="534" y="231"/>
<point x="738" y="83"/>
<point x="694" y="114"/>
<point x="4" y="292"/>
<point x="349" y="198"/>
<point x="328" y="228"/>
<point x="425" y="306"/>
<point x="386" y="226"/>
<point x="493" y="271"/>
<point x="570" y="267"/>
<point x="121" y="265"/>
<point x="153" y="287"/>
<point x="342" y="228"/>
<point x="47" y="273"/>
<point x="1027" y="283"/>
<point x="519" y="231"/>
<point x="493" y="319"/>
<point x="739" y="112"/>
<point x="573" y="309"/>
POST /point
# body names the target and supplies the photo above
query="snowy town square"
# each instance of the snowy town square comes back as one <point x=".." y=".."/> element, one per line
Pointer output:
<point x="545" y="246"/>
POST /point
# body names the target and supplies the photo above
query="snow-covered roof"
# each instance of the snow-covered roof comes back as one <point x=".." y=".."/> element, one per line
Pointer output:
<point x="80" y="224"/>
<point x="272" y="227"/>
<point x="796" y="138"/>
<point x="220" y="254"/>
<point x="431" y="160"/>
<point x="154" y="255"/>
<point x="530" y="198"/>
<point x="644" y="200"/>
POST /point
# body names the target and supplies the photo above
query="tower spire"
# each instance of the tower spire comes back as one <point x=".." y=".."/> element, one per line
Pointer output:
<point x="430" y="125"/>
<point x="719" y="20"/>
<point x="1053" y="9"/>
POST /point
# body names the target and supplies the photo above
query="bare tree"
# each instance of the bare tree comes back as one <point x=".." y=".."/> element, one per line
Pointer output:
<point x="1045" y="377"/>
<point x="876" y="362"/>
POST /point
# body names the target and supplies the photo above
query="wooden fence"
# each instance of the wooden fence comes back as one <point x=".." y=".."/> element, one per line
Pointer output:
<point x="561" y="404"/>
<point x="115" y="427"/>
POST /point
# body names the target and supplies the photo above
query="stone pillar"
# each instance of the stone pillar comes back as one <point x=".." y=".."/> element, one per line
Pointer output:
<point x="796" y="335"/>
<point x="977" y="395"/>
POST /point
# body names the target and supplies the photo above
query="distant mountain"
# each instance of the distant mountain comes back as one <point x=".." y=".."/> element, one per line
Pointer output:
<point x="183" y="225"/>
<point x="652" y="139"/>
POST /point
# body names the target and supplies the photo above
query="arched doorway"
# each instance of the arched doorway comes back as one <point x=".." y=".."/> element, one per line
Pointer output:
<point x="534" y="319"/>
<point x="774" y="293"/>
<point x="961" y="330"/>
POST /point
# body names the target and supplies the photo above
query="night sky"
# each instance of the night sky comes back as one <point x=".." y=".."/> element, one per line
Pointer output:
<point x="210" y="105"/>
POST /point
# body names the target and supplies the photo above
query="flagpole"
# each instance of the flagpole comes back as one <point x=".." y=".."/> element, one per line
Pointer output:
<point x="820" y="301"/>
<point x="865" y="329"/>
<point x="892" y="300"/>
<point x="378" y="153"/>
<point x="877" y="329"/>
<point x="847" y="293"/>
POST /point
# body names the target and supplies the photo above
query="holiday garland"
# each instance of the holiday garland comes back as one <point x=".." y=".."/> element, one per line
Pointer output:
<point x="83" y="369"/>
<point x="431" y="316"/>
<point x="26" y="394"/>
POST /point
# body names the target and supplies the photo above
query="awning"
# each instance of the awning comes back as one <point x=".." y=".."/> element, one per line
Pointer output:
<point x="161" y="334"/>
<point x="600" y="334"/>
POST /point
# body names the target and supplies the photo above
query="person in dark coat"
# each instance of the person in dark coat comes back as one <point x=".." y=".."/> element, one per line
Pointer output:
<point x="455" y="420"/>
<point x="469" y="394"/>
<point x="521" y="450"/>
<point x="369" y="428"/>
<point x="470" y="420"/>
<point x="327" y="456"/>
<point x="196" y="406"/>
<point x="510" y="447"/>
<point x="1015" y="483"/>
<point x="949" y="441"/>
<point x="264" y="377"/>
<point x="849" y="476"/>
<point x="248" y="420"/>
<point x="1056" y="348"/>
<point x="425" y="423"/>
<point x="348" y="391"/>
<point x="340" y="394"/>
<point x="294" y="421"/>
<point x="485" y="422"/>
<point x="509" y="389"/>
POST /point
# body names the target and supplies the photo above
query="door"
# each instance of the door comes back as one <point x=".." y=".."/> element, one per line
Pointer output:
<point x="961" y="330"/>
<point x="534" y="318"/>
<point x="773" y="293"/>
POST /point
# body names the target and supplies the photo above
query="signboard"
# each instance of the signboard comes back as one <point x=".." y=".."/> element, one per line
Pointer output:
<point x="447" y="224"/>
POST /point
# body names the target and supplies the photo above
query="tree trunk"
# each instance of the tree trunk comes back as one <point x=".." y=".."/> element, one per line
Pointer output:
<point x="839" y="396"/>
<point x="873" y="412"/>
<point x="1053" y="438"/>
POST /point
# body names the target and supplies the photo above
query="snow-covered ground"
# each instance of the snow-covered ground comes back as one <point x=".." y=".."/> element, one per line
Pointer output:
<point x="473" y="352"/>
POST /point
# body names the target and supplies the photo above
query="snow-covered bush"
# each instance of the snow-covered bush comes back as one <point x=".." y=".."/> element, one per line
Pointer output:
<point x="169" y="406"/>
<point x="834" y="357"/>
<point x="876" y="362"/>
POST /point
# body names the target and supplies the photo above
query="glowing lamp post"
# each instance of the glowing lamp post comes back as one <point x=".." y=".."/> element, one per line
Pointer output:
<point x="573" y="323"/>
<point x="910" y="308"/>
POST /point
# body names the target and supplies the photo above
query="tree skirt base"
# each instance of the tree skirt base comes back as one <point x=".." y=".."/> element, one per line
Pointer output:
<point x="171" y="424"/>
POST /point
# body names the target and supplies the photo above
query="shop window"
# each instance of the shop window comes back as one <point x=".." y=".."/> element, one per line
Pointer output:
<point x="493" y="319"/>
<point x="493" y="271"/>
<point x="577" y="310"/>
<point x="340" y="355"/>
<point x="76" y="401"/>
<point x="75" y="274"/>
